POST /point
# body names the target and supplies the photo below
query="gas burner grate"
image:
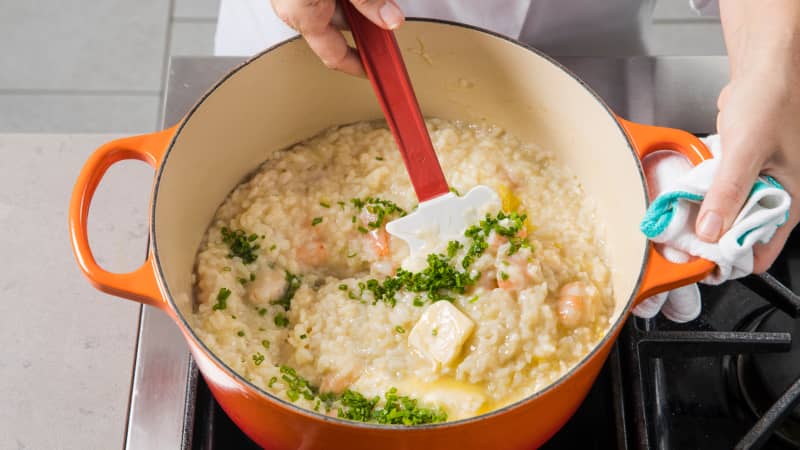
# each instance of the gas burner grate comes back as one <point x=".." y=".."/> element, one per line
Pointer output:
<point x="766" y="425"/>
<point x="756" y="381"/>
<point x="769" y="288"/>
<point x="646" y="347"/>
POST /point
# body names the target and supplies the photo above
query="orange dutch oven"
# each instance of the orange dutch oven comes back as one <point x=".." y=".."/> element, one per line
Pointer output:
<point x="285" y="95"/>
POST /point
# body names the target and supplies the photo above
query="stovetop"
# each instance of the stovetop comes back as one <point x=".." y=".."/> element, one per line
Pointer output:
<point x="726" y="380"/>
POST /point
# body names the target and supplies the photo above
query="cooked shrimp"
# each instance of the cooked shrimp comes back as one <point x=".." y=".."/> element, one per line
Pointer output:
<point x="384" y="268"/>
<point x="516" y="271"/>
<point x="577" y="304"/>
<point x="268" y="286"/>
<point x="312" y="252"/>
<point x="487" y="281"/>
<point x="379" y="239"/>
<point x="484" y="268"/>
<point x="339" y="381"/>
<point x="495" y="241"/>
<point x="367" y="217"/>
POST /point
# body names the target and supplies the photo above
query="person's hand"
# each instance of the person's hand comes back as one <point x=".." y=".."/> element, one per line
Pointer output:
<point x="759" y="117"/>
<point x="319" y="21"/>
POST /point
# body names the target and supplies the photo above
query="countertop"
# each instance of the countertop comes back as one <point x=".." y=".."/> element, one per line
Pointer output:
<point x="67" y="349"/>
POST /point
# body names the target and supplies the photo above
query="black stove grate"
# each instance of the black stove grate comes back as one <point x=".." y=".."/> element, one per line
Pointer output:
<point x="763" y="429"/>
<point x="660" y="357"/>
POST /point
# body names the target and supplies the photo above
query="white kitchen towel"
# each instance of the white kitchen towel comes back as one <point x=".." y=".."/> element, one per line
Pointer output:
<point x="670" y="218"/>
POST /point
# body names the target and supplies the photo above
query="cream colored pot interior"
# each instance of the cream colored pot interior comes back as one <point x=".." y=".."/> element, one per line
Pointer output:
<point x="287" y="95"/>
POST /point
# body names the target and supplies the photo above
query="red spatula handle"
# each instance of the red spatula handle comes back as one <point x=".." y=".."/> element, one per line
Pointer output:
<point x="385" y="68"/>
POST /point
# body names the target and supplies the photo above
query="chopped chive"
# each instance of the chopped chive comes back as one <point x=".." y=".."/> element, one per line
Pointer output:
<point x="240" y="333"/>
<point x="240" y="244"/>
<point x="258" y="358"/>
<point x="265" y="344"/>
<point x="222" y="299"/>
<point x="272" y="381"/>
<point x="281" y="320"/>
<point x="303" y="336"/>
<point x="380" y="208"/>
<point x="325" y="204"/>
<point x="399" y="329"/>
<point x="316" y="221"/>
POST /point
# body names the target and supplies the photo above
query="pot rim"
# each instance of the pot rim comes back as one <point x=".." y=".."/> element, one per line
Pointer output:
<point x="183" y="323"/>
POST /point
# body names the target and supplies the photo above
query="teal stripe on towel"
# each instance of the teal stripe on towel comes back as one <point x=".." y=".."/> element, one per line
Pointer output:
<point x="741" y="238"/>
<point x="659" y="214"/>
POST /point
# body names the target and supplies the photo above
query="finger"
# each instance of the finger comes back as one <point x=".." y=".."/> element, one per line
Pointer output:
<point x="383" y="13"/>
<point x="305" y="16"/>
<point x="338" y="19"/>
<point x="331" y="47"/>
<point x="723" y="99"/>
<point x="737" y="172"/>
<point x="764" y="254"/>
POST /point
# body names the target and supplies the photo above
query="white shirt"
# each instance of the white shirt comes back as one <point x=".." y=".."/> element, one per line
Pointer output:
<point x="246" y="27"/>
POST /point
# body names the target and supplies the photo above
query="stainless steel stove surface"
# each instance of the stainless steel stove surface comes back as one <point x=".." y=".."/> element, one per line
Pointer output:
<point x="728" y="379"/>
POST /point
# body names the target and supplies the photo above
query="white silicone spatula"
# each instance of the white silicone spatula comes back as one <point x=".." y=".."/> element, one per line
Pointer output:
<point x="441" y="215"/>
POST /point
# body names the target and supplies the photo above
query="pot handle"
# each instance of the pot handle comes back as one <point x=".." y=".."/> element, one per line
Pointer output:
<point x="140" y="285"/>
<point x="660" y="274"/>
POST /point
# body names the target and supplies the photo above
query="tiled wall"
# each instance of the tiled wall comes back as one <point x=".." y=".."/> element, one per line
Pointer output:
<point x="87" y="66"/>
<point x="679" y="30"/>
<point x="72" y="66"/>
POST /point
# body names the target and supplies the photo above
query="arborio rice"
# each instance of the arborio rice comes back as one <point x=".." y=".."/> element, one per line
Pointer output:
<point x="301" y="291"/>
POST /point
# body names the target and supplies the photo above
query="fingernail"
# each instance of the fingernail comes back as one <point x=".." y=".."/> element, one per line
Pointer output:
<point x="391" y="15"/>
<point x="710" y="226"/>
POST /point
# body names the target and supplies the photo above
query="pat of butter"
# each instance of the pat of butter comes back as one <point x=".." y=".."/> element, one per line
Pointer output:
<point x="459" y="399"/>
<point x="440" y="333"/>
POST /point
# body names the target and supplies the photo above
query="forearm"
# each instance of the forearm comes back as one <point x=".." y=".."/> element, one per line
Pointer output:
<point x="761" y="34"/>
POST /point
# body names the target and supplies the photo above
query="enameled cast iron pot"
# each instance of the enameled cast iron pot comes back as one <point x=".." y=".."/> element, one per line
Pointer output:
<point x="285" y="95"/>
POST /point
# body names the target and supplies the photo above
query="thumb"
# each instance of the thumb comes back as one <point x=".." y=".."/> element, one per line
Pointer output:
<point x="383" y="13"/>
<point x="729" y="190"/>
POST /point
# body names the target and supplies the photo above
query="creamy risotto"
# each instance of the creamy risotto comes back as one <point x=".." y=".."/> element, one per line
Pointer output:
<point x="300" y="289"/>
